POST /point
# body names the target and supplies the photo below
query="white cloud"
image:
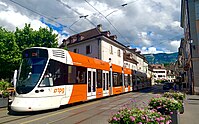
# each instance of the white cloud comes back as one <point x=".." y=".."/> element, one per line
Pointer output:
<point x="16" y="19"/>
<point x="150" y="50"/>
<point x="1" y="3"/>
<point x="143" y="23"/>
<point x="60" y="38"/>
<point x="175" y="43"/>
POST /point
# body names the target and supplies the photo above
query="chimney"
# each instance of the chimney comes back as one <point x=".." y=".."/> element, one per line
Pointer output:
<point x="138" y="52"/>
<point x="64" y="41"/>
<point x="113" y="37"/>
<point x="99" y="27"/>
<point x="78" y="37"/>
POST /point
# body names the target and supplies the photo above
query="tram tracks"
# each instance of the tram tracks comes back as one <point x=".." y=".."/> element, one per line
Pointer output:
<point x="44" y="117"/>
<point x="95" y="107"/>
<point x="96" y="114"/>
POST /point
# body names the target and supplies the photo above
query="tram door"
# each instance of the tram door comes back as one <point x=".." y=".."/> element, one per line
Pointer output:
<point x="105" y="83"/>
<point x="91" y="80"/>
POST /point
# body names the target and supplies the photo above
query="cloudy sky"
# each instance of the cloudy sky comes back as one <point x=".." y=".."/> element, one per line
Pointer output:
<point x="151" y="26"/>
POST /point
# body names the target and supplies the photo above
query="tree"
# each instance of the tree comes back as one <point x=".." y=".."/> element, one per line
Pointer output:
<point x="9" y="54"/>
<point x="45" y="38"/>
<point x="13" y="43"/>
<point x="27" y="37"/>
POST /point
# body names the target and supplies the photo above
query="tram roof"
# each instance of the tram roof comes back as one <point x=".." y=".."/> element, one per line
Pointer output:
<point x="85" y="61"/>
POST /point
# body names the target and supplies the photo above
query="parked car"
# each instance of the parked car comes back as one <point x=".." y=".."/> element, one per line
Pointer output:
<point x="168" y="86"/>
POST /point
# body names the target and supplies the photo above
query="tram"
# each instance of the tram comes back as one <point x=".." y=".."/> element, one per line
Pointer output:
<point x="51" y="77"/>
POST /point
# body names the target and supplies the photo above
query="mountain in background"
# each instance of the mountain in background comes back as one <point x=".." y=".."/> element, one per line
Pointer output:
<point x="161" y="58"/>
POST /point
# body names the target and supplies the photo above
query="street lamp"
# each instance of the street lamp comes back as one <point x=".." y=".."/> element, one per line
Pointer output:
<point x="83" y="16"/>
<point x="123" y="5"/>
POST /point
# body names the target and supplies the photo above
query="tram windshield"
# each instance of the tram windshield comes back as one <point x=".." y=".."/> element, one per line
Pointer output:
<point x="30" y="71"/>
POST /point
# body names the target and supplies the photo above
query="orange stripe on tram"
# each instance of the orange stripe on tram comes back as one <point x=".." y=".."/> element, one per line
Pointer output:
<point x="79" y="93"/>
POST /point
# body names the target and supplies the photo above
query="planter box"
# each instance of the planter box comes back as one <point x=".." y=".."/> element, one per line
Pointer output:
<point x="181" y="110"/>
<point x="3" y="102"/>
<point x="175" y="118"/>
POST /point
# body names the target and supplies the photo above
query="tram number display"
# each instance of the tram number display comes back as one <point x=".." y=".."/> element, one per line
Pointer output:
<point x="59" y="90"/>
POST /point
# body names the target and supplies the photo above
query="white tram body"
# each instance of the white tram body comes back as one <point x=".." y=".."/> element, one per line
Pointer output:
<point x="51" y="77"/>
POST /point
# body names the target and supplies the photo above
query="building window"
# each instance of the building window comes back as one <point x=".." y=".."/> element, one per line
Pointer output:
<point x="76" y="50"/>
<point x="111" y="49"/>
<point x="88" y="49"/>
<point x="118" y="52"/>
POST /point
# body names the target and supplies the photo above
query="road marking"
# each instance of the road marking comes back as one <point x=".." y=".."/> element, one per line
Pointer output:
<point x="75" y="107"/>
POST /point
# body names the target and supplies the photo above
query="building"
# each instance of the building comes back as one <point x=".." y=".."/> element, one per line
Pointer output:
<point x="190" y="43"/>
<point x="97" y="44"/>
<point x="159" y="72"/>
<point x="171" y="76"/>
<point x="102" y="45"/>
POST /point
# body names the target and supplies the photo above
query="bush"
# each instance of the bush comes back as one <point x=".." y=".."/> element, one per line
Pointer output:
<point x="165" y="105"/>
<point x="176" y="95"/>
<point x="139" y="116"/>
<point x="3" y="88"/>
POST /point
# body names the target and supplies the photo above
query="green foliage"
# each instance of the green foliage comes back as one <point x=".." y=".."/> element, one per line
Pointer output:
<point x="139" y="116"/>
<point x="176" y="95"/>
<point x="161" y="58"/>
<point x="13" y="43"/>
<point x="3" y="88"/>
<point x="9" y="54"/>
<point x="160" y="81"/>
<point x="27" y="37"/>
<point x="165" y="105"/>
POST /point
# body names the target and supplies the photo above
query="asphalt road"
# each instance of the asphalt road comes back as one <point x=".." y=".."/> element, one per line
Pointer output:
<point x="92" y="112"/>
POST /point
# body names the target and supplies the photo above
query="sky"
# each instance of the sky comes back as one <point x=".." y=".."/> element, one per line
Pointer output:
<point x="150" y="26"/>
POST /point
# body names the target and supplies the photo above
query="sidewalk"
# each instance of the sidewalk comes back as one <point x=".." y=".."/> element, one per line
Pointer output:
<point x="191" y="110"/>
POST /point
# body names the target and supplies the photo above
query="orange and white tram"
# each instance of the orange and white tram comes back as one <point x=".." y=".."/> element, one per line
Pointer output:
<point x="51" y="77"/>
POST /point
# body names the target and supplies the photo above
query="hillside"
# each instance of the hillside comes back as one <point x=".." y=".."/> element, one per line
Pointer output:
<point x="161" y="58"/>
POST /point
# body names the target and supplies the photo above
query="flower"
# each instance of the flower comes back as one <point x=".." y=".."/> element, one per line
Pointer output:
<point x="132" y="118"/>
<point x="176" y="95"/>
<point x="139" y="116"/>
<point x="165" y="105"/>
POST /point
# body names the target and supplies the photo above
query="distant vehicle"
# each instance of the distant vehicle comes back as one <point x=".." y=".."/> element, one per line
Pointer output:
<point x="168" y="86"/>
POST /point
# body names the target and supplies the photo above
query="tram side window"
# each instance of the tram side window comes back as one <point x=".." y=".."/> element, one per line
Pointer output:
<point x="60" y="74"/>
<point x="71" y="74"/>
<point x="99" y="78"/>
<point x="129" y="80"/>
<point x="115" y="75"/>
<point x="120" y="79"/>
<point x="126" y="81"/>
<point x="47" y="79"/>
<point x="80" y="75"/>
<point x="76" y="74"/>
<point x="117" y="79"/>
<point x="55" y="75"/>
<point x="103" y="81"/>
